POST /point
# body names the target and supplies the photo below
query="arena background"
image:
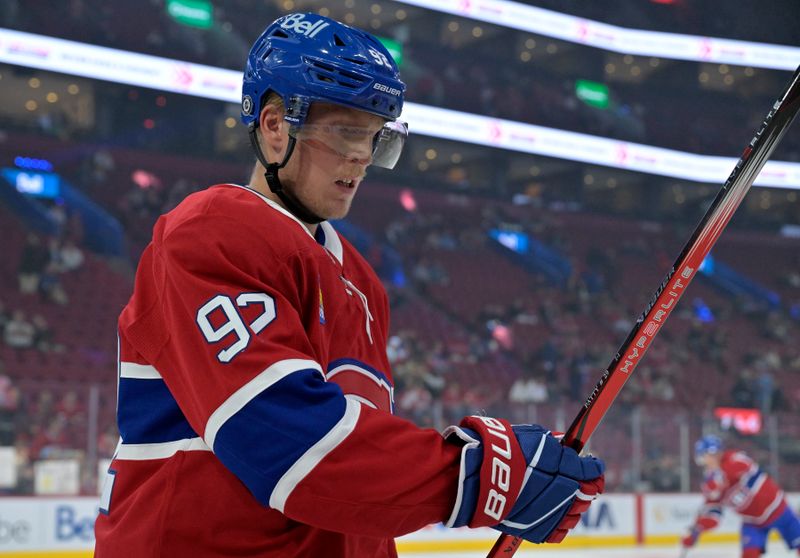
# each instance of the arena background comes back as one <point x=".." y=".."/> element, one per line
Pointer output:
<point x="561" y="153"/>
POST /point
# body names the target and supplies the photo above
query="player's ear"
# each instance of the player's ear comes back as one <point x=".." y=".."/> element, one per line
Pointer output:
<point x="272" y="128"/>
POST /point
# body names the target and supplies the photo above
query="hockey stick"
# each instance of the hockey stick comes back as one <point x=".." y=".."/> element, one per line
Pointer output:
<point x="666" y="297"/>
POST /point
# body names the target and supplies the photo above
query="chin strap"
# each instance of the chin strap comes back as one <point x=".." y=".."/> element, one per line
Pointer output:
<point x="292" y="204"/>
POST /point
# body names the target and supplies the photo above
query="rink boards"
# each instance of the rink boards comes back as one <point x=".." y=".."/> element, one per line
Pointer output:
<point x="63" y="527"/>
<point x="615" y="520"/>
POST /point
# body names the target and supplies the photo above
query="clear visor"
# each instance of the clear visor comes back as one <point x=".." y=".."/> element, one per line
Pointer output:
<point x="381" y="149"/>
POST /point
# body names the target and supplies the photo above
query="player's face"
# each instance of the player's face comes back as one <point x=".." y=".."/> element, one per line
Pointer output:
<point x="331" y="157"/>
<point x="709" y="461"/>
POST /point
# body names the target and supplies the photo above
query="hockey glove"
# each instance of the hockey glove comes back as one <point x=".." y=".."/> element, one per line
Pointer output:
<point x="708" y="519"/>
<point x="520" y="480"/>
<point x="689" y="540"/>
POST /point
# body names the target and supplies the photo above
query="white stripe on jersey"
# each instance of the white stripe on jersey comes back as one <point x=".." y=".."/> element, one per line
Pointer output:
<point x="750" y="492"/>
<point x="362" y="400"/>
<point x="138" y="371"/>
<point x="767" y="512"/>
<point x="333" y="243"/>
<point x="163" y="450"/>
<point x="364" y="372"/>
<point x="316" y="453"/>
<point x="251" y="389"/>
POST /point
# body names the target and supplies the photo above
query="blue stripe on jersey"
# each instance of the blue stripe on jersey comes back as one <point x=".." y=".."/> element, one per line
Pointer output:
<point x="753" y="478"/>
<point x="319" y="236"/>
<point x="148" y="414"/>
<point x="377" y="373"/>
<point x="274" y="429"/>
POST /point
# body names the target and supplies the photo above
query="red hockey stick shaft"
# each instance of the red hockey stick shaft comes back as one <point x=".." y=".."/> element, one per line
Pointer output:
<point x="673" y="286"/>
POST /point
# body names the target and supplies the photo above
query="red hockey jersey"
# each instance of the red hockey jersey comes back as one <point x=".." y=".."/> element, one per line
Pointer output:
<point x="255" y="397"/>
<point x="740" y="484"/>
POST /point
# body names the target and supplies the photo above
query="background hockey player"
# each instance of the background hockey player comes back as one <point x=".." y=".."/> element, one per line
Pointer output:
<point x="734" y="480"/>
<point x="255" y="395"/>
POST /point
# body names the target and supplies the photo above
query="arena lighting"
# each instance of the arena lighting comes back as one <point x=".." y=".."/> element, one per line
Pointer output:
<point x="618" y="39"/>
<point x="33" y="163"/>
<point x="164" y="74"/>
<point x="395" y="48"/>
<point x="37" y="184"/>
<point x="592" y="93"/>
<point x="194" y="13"/>
<point x="407" y="200"/>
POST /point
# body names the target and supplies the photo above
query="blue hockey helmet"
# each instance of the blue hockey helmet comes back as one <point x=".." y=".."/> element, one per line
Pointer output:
<point x="706" y="445"/>
<point x="306" y="57"/>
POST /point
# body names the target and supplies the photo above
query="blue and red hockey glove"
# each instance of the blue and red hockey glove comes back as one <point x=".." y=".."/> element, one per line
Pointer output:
<point x="520" y="480"/>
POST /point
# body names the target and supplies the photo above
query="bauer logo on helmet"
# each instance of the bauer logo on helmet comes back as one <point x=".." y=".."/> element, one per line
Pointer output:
<point x="386" y="89"/>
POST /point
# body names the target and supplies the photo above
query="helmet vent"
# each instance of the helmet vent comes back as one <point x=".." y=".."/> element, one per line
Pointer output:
<point x="322" y="66"/>
<point x="330" y="74"/>
<point x="338" y="40"/>
<point x="323" y="77"/>
<point x="280" y="33"/>
<point x="266" y="54"/>
<point x="354" y="61"/>
<point x="352" y="76"/>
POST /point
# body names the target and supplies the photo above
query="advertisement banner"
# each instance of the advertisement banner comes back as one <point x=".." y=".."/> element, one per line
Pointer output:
<point x="165" y="74"/>
<point x="610" y="521"/>
<point x="46" y="524"/>
<point x="578" y="30"/>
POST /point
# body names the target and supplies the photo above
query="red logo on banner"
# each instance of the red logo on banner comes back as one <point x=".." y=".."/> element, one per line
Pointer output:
<point x="495" y="132"/>
<point x="583" y="30"/>
<point x="183" y="76"/>
<point x="622" y="153"/>
<point x="745" y="421"/>
<point x="705" y="49"/>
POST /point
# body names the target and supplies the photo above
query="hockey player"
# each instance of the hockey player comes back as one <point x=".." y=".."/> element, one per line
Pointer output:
<point x="255" y="395"/>
<point x="734" y="480"/>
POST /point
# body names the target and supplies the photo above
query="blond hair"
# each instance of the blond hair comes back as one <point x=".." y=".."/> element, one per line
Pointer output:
<point x="274" y="100"/>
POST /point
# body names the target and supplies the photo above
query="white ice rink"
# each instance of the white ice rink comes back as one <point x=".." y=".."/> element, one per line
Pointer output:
<point x="774" y="550"/>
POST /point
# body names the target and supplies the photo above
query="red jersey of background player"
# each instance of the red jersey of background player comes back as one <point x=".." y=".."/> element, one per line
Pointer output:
<point x="736" y="481"/>
<point x="739" y="483"/>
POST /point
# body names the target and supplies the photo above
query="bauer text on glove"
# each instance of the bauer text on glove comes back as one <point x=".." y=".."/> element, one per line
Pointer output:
<point x="520" y="480"/>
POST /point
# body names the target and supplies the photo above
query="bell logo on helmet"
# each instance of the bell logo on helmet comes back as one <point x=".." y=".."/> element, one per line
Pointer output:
<point x="298" y="23"/>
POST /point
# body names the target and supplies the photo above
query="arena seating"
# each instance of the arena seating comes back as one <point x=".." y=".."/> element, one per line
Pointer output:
<point x="448" y="319"/>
